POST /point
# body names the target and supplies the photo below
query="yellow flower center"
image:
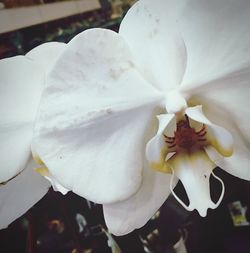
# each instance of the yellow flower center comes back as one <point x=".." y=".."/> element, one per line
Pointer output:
<point x="42" y="170"/>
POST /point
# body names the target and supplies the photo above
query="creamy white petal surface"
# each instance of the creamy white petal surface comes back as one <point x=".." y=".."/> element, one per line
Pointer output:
<point x="46" y="54"/>
<point x="217" y="39"/>
<point x="20" y="90"/>
<point x="93" y="117"/>
<point x="20" y="194"/>
<point x="150" y="30"/>
<point x="123" y="217"/>
<point x="22" y="81"/>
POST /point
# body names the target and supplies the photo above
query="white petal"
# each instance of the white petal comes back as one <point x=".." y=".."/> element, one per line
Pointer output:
<point x="226" y="93"/>
<point x="194" y="170"/>
<point x="20" y="194"/>
<point x="22" y="82"/>
<point x="43" y="53"/>
<point x="218" y="136"/>
<point x="123" y="217"/>
<point x="150" y="29"/>
<point x="101" y="162"/>
<point x="94" y="116"/>
<point x="217" y="38"/>
<point x="156" y="149"/>
<point x="20" y="90"/>
<point x="231" y="98"/>
<point x="238" y="163"/>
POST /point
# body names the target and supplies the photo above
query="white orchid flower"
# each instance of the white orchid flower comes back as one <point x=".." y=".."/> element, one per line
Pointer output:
<point x="21" y="85"/>
<point x="170" y="91"/>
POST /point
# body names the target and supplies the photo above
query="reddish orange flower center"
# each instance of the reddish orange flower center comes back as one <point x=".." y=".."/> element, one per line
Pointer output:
<point x="185" y="137"/>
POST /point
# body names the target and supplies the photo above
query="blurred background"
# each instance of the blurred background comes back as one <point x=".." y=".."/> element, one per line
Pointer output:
<point x="70" y="224"/>
<point x="24" y="24"/>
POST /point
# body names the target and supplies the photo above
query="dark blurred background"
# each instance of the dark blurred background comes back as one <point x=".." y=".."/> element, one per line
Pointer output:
<point x="71" y="224"/>
<point x="25" y="24"/>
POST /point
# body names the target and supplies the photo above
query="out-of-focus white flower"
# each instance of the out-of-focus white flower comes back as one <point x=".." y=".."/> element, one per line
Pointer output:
<point x="21" y="84"/>
<point x="175" y="61"/>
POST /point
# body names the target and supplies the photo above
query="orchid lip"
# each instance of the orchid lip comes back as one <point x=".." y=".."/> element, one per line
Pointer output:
<point x="202" y="209"/>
